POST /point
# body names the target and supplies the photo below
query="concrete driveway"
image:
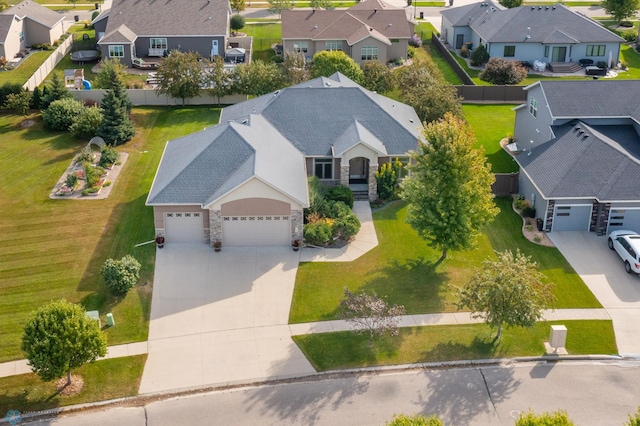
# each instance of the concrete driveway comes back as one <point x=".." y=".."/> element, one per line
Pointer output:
<point x="221" y="317"/>
<point x="603" y="272"/>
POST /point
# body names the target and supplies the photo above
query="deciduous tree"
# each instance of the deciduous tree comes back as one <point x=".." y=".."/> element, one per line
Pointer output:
<point x="511" y="3"/>
<point x="370" y="314"/>
<point x="317" y="4"/>
<point x="219" y="81"/>
<point x="181" y="75"/>
<point x="295" y="68"/>
<point x="502" y="71"/>
<point x="621" y="9"/>
<point x="61" y="114"/>
<point x="20" y="103"/>
<point x="121" y="275"/>
<point x="415" y="420"/>
<point x="277" y="6"/>
<point x="87" y="122"/>
<point x="557" y="418"/>
<point x="328" y="62"/>
<point x="237" y="5"/>
<point x="257" y="78"/>
<point x="508" y="291"/>
<point x="634" y="419"/>
<point x="236" y="23"/>
<point x="59" y="337"/>
<point x="377" y="77"/>
<point x="449" y="190"/>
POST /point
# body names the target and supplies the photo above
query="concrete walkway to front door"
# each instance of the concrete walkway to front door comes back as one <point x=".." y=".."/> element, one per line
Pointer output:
<point x="221" y="317"/>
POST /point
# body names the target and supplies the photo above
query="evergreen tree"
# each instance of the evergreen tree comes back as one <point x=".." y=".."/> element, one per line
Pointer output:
<point x="116" y="128"/>
<point x="56" y="91"/>
<point x="36" y="98"/>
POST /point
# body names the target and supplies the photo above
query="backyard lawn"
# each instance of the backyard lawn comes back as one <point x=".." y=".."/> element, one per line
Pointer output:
<point x="53" y="249"/>
<point x="264" y="36"/>
<point x="25" y="70"/>
<point x="402" y="268"/>
<point x="339" y="350"/>
<point x="491" y="123"/>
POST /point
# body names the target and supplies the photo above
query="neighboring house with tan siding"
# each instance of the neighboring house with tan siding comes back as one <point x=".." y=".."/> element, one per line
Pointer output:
<point x="148" y="28"/>
<point x="25" y="24"/>
<point x="370" y="30"/>
<point x="244" y="181"/>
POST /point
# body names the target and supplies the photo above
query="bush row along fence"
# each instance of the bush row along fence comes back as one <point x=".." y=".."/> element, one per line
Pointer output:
<point x="49" y="64"/>
<point x="505" y="184"/>
<point x="151" y="97"/>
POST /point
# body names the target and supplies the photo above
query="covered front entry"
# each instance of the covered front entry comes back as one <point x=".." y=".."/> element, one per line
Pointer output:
<point x="358" y="170"/>
<point x="260" y="230"/>
<point x="624" y="218"/>
<point x="183" y="227"/>
<point x="571" y="217"/>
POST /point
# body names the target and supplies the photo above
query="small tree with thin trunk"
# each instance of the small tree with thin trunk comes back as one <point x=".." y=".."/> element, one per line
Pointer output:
<point x="60" y="337"/>
<point x="219" y="81"/>
<point x="621" y="9"/>
<point x="181" y="75"/>
<point x="20" y="103"/>
<point x="370" y="314"/>
<point x="236" y="23"/>
<point x="294" y="68"/>
<point x="317" y="4"/>
<point x="277" y="6"/>
<point x="508" y="291"/>
<point x="237" y="5"/>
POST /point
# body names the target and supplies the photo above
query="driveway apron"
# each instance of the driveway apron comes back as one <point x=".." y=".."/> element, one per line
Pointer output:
<point x="603" y="272"/>
<point x="221" y="317"/>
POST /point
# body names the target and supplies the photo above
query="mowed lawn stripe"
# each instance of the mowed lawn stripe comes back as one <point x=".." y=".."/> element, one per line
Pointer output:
<point x="52" y="249"/>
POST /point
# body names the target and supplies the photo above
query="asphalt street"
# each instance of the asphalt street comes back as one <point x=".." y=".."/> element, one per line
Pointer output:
<point x="593" y="393"/>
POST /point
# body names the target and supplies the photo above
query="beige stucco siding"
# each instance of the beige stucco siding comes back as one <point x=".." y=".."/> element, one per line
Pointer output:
<point x="361" y="150"/>
<point x="287" y="46"/>
<point x="253" y="189"/>
<point x="12" y="44"/>
<point x="255" y="206"/>
<point x="37" y="33"/>
<point x="369" y="41"/>
<point x="397" y="50"/>
<point x="159" y="211"/>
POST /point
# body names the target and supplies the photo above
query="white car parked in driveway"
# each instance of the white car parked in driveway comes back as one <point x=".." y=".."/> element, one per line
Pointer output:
<point x="627" y="245"/>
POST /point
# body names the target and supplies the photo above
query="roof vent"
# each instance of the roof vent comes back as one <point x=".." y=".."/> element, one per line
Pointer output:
<point x="276" y="93"/>
<point x="254" y="110"/>
<point x="539" y="7"/>
<point x="585" y="136"/>
<point x="533" y="8"/>
<point x="375" y="10"/>
<point x="370" y="28"/>
<point x="546" y="8"/>
<point x="245" y="121"/>
<point x="553" y="7"/>
<point x="581" y="131"/>
<point x="315" y="27"/>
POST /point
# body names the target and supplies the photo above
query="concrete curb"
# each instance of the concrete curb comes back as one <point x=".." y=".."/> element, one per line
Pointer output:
<point x="140" y="400"/>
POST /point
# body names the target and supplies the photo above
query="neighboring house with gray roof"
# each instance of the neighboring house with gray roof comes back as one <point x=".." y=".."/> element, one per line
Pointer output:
<point x="370" y="30"/>
<point x="580" y="158"/>
<point x="25" y="24"/>
<point x="244" y="181"/>
<point x="147" y="28"/>
<point x="551" y="34"/>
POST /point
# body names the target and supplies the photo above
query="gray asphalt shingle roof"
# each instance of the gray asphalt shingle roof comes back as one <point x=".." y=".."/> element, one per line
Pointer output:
<point x="593" y="98"/>
<point x="594" y="167"/>
<point x="35" y="12"/>
<point x="170" y="17"/>
<point x="544" y="24"/>
<point x="313" y="115"/>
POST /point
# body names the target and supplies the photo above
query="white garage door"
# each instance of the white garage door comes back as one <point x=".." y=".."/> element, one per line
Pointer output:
<point x="624" y="219"/>
<point x="256" y="231"/>
<point x="183" y="227"/>
<point x="571" y="218"/>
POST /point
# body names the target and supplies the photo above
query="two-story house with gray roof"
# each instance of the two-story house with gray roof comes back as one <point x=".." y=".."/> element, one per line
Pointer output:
<point x="244" y="181"/>
<point x="551" y="34"/>
<point x="372" y="30"/>
<point x="580" y="154"/>
<point x="147" y="28"/>
<point x="25" y="24"/>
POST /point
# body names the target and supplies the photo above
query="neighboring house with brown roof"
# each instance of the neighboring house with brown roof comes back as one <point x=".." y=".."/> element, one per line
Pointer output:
<point x="25" y="24"/>
<point x="370" y="30"/>
<point x="147" y="28"/>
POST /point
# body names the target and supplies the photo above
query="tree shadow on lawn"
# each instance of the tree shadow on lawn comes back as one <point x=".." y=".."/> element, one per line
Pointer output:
<point x="415" y="283"/>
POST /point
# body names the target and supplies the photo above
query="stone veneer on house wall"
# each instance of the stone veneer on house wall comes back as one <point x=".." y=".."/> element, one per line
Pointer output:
<point x="373" y="183"/>
<point x="344" y="175"/>
<point x="215" y="226"/>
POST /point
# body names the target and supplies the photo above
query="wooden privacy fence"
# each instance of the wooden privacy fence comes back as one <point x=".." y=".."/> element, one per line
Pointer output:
<point x="448" y="57"/>
<point x="49" y="64"/>
<point x="492" y="94"/>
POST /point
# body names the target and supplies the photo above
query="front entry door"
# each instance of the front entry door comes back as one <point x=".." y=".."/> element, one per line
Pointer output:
<point x="459" y="40"/>
<point x="559" y="54"/>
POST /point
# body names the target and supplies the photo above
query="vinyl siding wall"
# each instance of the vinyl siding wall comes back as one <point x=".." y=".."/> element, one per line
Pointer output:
<point x="526" y="123"/>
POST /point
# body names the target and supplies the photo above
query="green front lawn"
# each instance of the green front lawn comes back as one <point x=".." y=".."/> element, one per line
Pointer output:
<point x="402" y="269"/>
<point x="491" y="123"/>
<point x="53" y="249"/>
<point x="103" y="380"/>
<point x="340" y="350"/>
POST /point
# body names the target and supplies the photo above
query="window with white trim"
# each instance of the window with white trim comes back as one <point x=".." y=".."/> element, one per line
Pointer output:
<point x="116" y="51"/>
<point x="533" y="107"/>
<point x="595" y="49"/>
<point x="369" y="53"/>
<point x="300" y="46"/>
<point x="158" y="43"/>
<point x="323" y="168"/>
<point x="21" y="35"/>
<point x="333" y="45"/>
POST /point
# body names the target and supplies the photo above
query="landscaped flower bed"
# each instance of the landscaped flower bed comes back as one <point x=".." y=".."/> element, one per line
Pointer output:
<point x="89" y="172"/>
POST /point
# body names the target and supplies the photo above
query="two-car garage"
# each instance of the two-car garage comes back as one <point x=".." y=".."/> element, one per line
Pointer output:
<point x="577" y="217"/>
